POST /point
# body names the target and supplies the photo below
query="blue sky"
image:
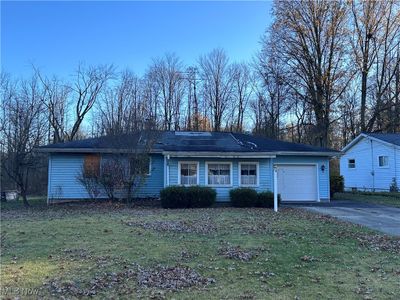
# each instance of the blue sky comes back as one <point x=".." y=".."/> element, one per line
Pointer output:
<point x="56" y="36"/>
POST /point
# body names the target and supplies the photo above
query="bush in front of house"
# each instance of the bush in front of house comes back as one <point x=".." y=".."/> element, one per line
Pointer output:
<point x="266" y="199"/>
<point x="187" y="197"/>
<point x="243" y="197"/>
<point x="336" y="184"/>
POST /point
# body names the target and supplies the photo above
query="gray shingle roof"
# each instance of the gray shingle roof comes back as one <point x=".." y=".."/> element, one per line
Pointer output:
<point x="392" y="138"/>
<point x="188" y="142"/>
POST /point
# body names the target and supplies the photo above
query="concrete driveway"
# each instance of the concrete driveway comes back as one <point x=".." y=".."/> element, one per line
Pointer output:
<point x="382" y="218"/>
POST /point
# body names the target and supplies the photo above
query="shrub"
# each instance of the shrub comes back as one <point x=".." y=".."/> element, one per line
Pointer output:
<point x="187" y="197"/>
<point x="266" y="199"/>
<point x="393" y="186"/>
<point x="336" y="184"/>
<point x="243" y="197"/>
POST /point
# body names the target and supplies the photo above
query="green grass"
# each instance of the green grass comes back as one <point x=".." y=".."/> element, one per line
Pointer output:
<point x="75" y="245"/>
<point x="389" y="199"/>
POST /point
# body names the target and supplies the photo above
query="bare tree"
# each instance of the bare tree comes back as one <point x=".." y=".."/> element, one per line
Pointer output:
<point x="167" y="75"/>
<point x="82" y="94"/>
<point x="311" y="37"/>
<point x="242" y="91"/>
<point x="375" y="27"/>
<point x="24" y="129"/>
<point x="217" y="84"/>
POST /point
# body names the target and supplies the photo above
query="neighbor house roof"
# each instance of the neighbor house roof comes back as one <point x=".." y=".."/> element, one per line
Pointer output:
<point x="189" y="142"/>
<point x="388" y="138"/>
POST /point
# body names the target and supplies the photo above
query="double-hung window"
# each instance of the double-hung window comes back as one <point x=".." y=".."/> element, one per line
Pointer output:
<point x="248" y="174"/>
<point x="351" y="163"/>
<point x="188" y="174"/>
<point x="219" y="174"/>
<point x="383" y="161"/>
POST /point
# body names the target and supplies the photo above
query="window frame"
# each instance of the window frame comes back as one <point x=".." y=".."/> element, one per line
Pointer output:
<point x="197" y="173"/>
<point x="348" y="163"/>
<point x="219" y="163"/>
<point x="257" y="164"/>
<point x="384" y="166"/>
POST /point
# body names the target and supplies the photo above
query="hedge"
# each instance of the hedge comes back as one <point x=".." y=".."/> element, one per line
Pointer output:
<point x="266" y="199"/>
<point x="247" y="197"/>
<point x="187" y="197"/>
<point x="243" y="197"/>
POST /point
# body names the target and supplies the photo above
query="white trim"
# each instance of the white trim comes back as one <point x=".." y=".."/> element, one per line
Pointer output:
<point x="364" y="135"/>
<point x="165" y="171"/>
<point x="197" y="171"/>
<point x="383" y="167"/>
<point x="355" y="164"/>
<point x="316" y="165"/>
<point x="257" y="171"/>
<point x="219" y="163"/>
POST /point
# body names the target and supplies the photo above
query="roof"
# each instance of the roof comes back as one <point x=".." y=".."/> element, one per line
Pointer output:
<point x="189" y="142"/>
<point x="391" y="138"/>
<point x="387" y="138"/>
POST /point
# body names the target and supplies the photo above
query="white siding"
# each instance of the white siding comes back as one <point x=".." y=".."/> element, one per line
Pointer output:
<point x="367" y="175"/>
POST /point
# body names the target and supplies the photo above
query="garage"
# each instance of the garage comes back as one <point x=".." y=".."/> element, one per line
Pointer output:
<point x="298" y="183"/>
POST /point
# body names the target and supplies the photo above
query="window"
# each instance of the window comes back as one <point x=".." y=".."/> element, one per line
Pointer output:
<point x="383" y="161"/>
<point x="91" y="165"/>
<point x="219" y="174"/>
<point x="188" y="174"/>
<point x="248" y="174"/>
<point x="352" y="163"/>
<point x="140" y="165"/>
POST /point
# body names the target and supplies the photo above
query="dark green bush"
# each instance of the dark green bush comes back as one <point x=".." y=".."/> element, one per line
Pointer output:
<point x="243" y="197"/>
<point x="266" y="199"/>
<point x="336" y="184"/>
<point x="187" y="197"/>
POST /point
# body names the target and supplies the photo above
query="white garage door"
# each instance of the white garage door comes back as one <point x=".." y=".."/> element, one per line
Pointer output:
<point x="297" y="182"/>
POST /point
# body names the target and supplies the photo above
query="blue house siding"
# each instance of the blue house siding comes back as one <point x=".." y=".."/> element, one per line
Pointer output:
<point x="367" y="175"/>
<point x="323" y="176"/>
<point x="65" y="168"/>
<point x="265" y="179"/>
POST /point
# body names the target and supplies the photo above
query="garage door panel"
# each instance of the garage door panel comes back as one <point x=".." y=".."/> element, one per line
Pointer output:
<point x="297" y="182"/>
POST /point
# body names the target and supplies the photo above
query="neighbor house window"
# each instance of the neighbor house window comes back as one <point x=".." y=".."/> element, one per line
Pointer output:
<point x="352" y="163"/>
<point x="188" y="174"/>
<point x="91" y="165"/>
<point x="383" y="161"/>
<point x="248" y="174"/>
<point x="219" y="174"/>
<point x="140" y="165"/>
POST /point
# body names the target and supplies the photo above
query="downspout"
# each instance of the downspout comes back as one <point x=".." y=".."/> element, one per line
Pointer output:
<point x="167" y="170"/>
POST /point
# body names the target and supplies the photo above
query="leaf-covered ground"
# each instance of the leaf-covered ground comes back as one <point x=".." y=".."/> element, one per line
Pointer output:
<point x="105" y="250"/>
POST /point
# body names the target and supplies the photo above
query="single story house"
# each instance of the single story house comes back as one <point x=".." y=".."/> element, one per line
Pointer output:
<point x="220" y="160"/>
<point x="371" y="161"/>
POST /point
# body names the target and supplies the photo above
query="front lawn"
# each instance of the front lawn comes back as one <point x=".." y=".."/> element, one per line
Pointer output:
<point x="109" y="250"/>
<point x="389" y="199"/>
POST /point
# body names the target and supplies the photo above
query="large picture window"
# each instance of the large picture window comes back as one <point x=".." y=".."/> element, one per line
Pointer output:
<point x="188" y="173"/>
<point x="219" y="174"/>
<point x="248" y="174"/>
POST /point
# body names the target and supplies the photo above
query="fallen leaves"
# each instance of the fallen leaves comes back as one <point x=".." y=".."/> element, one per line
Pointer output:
<point x="198" y="226"/>
<point x="237" y="252"/>
<point x="172" y="278"/>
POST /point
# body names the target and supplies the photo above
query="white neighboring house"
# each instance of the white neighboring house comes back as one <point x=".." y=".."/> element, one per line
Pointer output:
<point x="371" y="161"/>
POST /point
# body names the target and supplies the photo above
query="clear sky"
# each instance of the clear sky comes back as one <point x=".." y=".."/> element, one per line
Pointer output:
<point x="56" y="36"/>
